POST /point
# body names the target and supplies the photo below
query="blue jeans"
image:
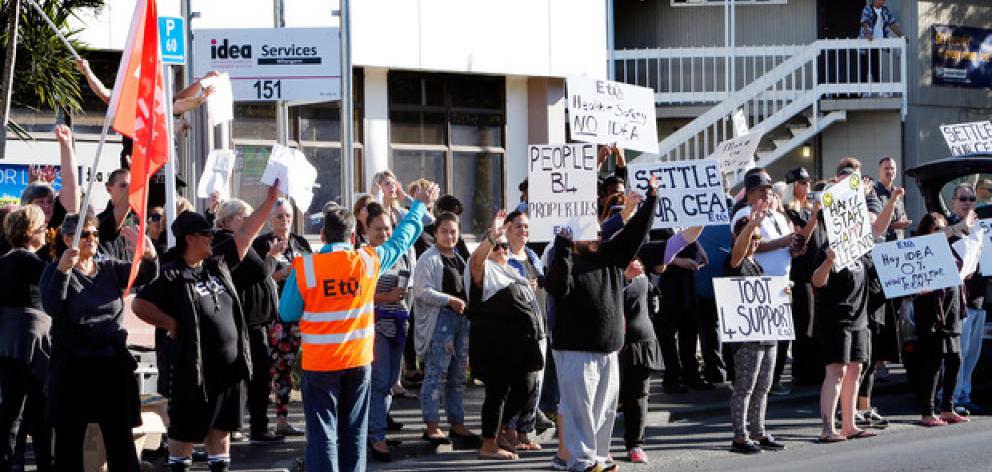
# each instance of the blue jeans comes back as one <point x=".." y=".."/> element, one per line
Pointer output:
<point x="334" y="445"/>
<point x="385" y="371"/>
<point x="972" y="329"/>
<point x="447" y="353"/>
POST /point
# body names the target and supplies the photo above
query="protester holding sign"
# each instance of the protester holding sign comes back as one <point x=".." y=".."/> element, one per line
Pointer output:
<point x="754" y="362"/>
<point x="802" y="210"/>
<point x="586" y="280"/>
<point x="937" y="315"/>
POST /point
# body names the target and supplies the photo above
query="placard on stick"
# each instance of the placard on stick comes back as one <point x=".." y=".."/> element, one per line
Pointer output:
<point x="754" y="309"/>
<point x="562" y="190"/>
<point x="690" y="193"/>
<point x="911" y="265"/>
<point x="737" y="154"/>
<point x="966" y="138"/>
<point x="605" y="112"/>
<point x="846" y="216"/>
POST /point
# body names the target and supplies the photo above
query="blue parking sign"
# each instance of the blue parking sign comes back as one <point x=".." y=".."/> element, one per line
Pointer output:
<point x="172" y="40"/>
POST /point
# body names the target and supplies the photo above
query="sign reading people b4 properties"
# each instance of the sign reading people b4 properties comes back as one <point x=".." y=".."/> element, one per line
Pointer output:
<point x="962" y="56"/>
<point x="267" y="64"/>
<point x="607" y="112"/>
<point x="562" y="190"/>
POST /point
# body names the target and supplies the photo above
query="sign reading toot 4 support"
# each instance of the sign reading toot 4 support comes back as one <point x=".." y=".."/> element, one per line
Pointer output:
<point x="690" y="193"/>
<point x="754" y="309"/>
<point x="267" y="64"/>
<point x="562" y="183"/>
<point x="606" y="112"/>
<point x="908" y="266"/>
<point x="846" y="217"/>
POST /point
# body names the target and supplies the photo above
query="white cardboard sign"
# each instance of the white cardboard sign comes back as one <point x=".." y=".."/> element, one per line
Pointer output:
<point x="846" y="216"/>
<point x="969" y="249"/>
<point x="740" y="123"/>
<point x="754" y="309"/>
<point x="908" y="266"/>
<point x="562" y="190"/>
<point x="690" y="193"/>
<point x="295" y="173"/>
<point x="220" y="103"/>
<point x="966" y="138"/>
<point x="985" y="257"/>
<point x="217" y="174"/>
<point x="737" y="154"/>
<point x="606" y="112"/>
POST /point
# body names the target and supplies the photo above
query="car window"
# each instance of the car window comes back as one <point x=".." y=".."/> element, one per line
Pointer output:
<point x="981" y="183"/>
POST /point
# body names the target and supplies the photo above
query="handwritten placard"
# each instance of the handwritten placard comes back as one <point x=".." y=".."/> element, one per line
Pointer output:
<point x="754" y="309"/>
<point x="966" y="138"/>
<point x="912" y="265"/>
<point x="562" y="191"/>
<point x="846" y="216"/>
<point x="606" y="112"/>
<point x="737" y="154"/>
<point x="985" y="256"/>
<point x="690" y="193"/>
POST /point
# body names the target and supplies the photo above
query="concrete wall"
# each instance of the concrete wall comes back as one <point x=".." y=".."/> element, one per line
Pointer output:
<point x="866" y="135"/>
<point x="658" y="24"/>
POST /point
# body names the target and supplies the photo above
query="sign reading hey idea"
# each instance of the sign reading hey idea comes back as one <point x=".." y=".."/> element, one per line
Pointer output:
<point x="967" y="138"/>
<point x="562" y="190"/>
<point x="606" y="112"/>
<point x="912" y="265"/>
<point x="754" y="309"/>
<point x="846" y="217"/>
<point x="690" y="193"/>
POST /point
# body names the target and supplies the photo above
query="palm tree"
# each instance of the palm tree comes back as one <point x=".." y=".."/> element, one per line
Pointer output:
<point x="45" y="75"/>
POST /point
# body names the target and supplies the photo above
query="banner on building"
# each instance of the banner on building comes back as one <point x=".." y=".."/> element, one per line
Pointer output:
<point x="846" y="216"/>
<point x="14" y="178"/>
<point x="562" y="191"/>
<point x="737" y="154"/>
<point x="909" y="266"/>
<point x="754" y="309"/>
<point x="962" y="56"/>
<point x="690" y="193"/>
<point x="967" y="138"/>
<point x="607" y="112"/>
<point x="269" y="64"/>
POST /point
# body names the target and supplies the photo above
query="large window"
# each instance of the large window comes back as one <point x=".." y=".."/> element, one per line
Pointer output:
<point x="449" y="129"/>
<point x="315" y="129"/>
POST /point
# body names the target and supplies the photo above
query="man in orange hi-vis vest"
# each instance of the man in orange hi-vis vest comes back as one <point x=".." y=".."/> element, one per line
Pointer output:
<point x="330" y="294"/>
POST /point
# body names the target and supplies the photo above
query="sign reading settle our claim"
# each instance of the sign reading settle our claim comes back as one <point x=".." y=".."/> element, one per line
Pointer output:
<point x="754" y="309"/>
<point x="690" y="193"/>
<point x="967" y="138"/>
<point x="562" y="190"/>
<point x="607" y="112"/>
<point x="846" y="217"/>
<point x="912" y="265"/>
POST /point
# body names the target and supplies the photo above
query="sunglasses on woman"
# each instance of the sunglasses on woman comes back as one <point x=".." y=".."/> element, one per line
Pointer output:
<point x="85" y="234"/>
<point x="503" y="246"/>
<point x="967" y="199"/>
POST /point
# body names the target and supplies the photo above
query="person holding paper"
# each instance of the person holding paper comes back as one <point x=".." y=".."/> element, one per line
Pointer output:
<point x="586" y="280"/>
<point x="960" y="222"/>
<point x="937" y="315"/>
<point x="803" y="213"/>
<point x="754" y="362"/>
<point x="337" y="353"/>
<point x="54" y="204"/>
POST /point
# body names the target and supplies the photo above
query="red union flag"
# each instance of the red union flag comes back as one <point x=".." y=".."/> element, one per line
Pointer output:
<point x="138" y="108"/>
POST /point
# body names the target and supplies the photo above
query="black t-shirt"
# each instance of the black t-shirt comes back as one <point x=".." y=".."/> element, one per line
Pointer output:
<point x="748" y="268"/>
<point x="218" y="333"/>
<point x="252" y="279"/>
<point x="843" y="302"/>
<point x="637" y="310"/>
<point x="112" y="244"/>
<point x="20" y="272"/>
<point x="452" y="280"/>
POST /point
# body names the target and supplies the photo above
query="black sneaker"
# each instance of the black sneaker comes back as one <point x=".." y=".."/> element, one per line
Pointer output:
<point x="746" y="447"/>
<point x="379" y="456"/>
<point x="769" y="442"/>
<point x="267" y="438"/>
<point x="220" y="466"/>
<point x="542" y="423"/>
<point x="876" y="420"/>
<point x="179" y="467"/>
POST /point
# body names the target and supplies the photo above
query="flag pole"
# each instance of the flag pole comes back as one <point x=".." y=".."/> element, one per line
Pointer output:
<point x="75" y="55"/>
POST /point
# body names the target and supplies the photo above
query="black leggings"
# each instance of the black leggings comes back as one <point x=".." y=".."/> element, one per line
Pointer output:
<point x="634" y="397"/>
<point x="260" y="385"/>
<point x="22" y="410"/>
<point x="506" y="394"/>
<point x="931" y="356"/>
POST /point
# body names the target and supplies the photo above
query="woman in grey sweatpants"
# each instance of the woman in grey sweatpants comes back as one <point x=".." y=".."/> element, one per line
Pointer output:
<point x="754" y="362"/>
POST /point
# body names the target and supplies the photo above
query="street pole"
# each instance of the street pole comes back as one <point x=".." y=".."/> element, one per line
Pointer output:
<point x="610" y="42"/>
<point x="10" y="57"/>
<point x="347" y="145"/>
<point x="282" y="106"/>
<point x="170" y="164"/>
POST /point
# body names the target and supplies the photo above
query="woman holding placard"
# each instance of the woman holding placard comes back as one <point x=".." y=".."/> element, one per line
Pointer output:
<point x="938" y="327"/>
<point x="754" y="362"/>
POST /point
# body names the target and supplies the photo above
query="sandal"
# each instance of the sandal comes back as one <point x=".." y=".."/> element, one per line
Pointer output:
<point x="504" y="442"/>
<point x="832" y="438"/>
<point x="405" y="393"/>
<point x="528" y="446"/>
<point x="932" y="421"/>
<point x="952" y="418"/>
<point x="500" y="455"/>
<point x="862" y="434"/>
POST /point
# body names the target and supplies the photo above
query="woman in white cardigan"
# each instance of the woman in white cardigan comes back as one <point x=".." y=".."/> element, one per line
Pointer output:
<point x="441" y="331"/>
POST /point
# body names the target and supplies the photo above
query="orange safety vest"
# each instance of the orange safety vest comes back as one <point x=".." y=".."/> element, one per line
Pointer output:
<point x="338" y="323"/>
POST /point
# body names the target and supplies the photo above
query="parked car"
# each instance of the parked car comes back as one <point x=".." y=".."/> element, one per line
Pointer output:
<point x="936" y="181"/>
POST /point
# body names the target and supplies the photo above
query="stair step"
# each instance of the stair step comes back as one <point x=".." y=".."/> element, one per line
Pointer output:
<point x="796" y="128"/>
<point x="780" y="142"/>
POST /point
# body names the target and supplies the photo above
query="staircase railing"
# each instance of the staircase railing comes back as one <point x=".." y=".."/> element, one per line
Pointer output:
<point x="841" y="68"/>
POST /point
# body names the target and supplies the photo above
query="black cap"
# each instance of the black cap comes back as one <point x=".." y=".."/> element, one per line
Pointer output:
<point x="523" y="186"/>
<point x="755" y="181"/>
<point x="191" y="222"/>
<point x="797" y="174"/>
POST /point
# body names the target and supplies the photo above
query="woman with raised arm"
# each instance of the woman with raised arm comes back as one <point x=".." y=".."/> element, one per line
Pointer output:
<point x="503" y="312"/>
